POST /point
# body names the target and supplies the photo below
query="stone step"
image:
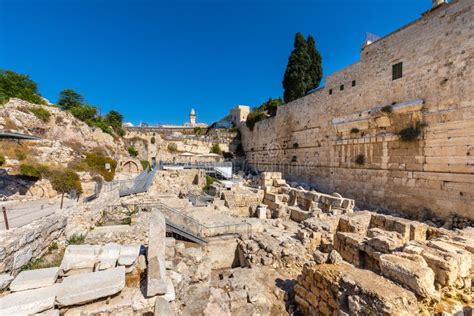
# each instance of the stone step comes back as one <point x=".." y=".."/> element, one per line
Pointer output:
<point x="33" y="279"/>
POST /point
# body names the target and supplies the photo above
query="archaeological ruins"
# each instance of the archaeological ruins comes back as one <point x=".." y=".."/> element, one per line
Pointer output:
<point x="356" y="199"/>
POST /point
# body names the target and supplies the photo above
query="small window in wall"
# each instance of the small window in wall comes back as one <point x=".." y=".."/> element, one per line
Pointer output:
<point x="353" y="83"/>
<point x="397" y="71"/>
<point x="330" y="91"/>
<point x="341" y="87"/>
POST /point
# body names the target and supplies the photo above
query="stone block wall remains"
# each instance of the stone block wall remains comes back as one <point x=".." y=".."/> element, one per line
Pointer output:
<point x="348" y="140"/>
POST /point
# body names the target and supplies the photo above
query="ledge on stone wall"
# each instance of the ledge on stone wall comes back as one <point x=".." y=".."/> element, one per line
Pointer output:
<point x="360" y="120"/>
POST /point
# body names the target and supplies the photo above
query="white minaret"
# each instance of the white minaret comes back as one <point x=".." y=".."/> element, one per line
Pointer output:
<point x="192" y="117"/>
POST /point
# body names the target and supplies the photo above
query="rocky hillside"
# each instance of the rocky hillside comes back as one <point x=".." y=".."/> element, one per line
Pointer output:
<point x="64" y="140"/>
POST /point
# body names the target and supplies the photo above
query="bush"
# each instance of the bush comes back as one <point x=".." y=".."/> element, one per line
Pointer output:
<point x="153" y="140"/>
<point x="253" y="118"/>
<point x="296" y="145"/>
<point x="2" y="160"/>
<point x="354" y="130"/>
<point x="95" y="164"/>
<point x="360" y="159"/>
<point x="409" y="134"/>
<point x="64" y="181"/>
<point x="132" y="151"/>
<point x="145" y="164"/>
<point x="209" y="181"/>
<point x="14" y="85"/>
<point x="85" y="113"/>
<point x="41" y="113"/>
<point x="216" y="149"/>
<point x="387" y="109"/>
<point x="127" y="220"/>
<point x="76" y="240"/>
<point x="33" y="171"/>
<point x="172" y="147"/>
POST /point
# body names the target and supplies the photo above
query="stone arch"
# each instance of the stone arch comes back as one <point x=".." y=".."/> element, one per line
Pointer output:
<point x="131" y="166"/>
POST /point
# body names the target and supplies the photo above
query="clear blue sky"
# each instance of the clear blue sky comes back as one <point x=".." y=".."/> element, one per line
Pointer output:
<point x="154" y="60"/>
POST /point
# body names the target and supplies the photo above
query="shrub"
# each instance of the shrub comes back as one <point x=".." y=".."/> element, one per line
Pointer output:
<point x="41" y="113"/>
<point x="153" y="140"/>
<point x="354" y="130"/>
<point x="2" y="160"/>
<point x="132" y="151"/>
<point x="360" y="159"/>
<point x="209" y="181"/>
<point x="216" y="149"/>
<point x="53" y="246"/>
<point x="172" y="147"/>
<point x="85" y="113"/>
<point x="409" y="134"/>
<point x="387" y="109"/>
<point x="296" y="145"/>
<point x="102" y="125"/>
<point x="145" y="164"/>
<point x="65" y="180"/>
<point x="127" y="220"/>
<point x="76" y="240"/>
<point x="198" y="130"/>
<point x="33" y="171"/>
<point x="253" y="118"/>
<point x="95" y="164"/>
<point x="20" y="155"/>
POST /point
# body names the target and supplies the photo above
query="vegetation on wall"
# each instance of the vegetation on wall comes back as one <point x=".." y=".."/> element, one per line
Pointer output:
<point x="355" y="130"/>
<point x="216" y="149"/>
<point x="15" y="85"/>
<point x="253" y="118"/>
<point x="172" y="147"/>
<point x="145" y="164"/>
<point x="209" y="181"/>
<point x="132" y="151"/>
<point x="95" y="164"/>
<point x="41" y="113"/>
<point x="387" y="109"/>
<point x="153" y="140"/>
<point x="198" y="130"/>
<point x="2" y="160"/>
<point x="304" y="69"/>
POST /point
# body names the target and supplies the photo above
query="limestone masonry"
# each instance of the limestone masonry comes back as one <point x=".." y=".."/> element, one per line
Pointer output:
<point x="345" y="138"/>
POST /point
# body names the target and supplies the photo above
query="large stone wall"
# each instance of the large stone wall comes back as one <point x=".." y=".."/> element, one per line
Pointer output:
<point x="341" y="140"/>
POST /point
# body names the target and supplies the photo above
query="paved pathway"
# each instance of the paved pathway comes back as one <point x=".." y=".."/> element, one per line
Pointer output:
<point x="23" y="213"/>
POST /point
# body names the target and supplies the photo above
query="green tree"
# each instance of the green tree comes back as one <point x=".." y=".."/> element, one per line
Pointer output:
<point x="85" y="113"/>
<point x="68" y="99"/>
<point x="64" y="181"/>
<point x="315" y="70"/>
<point x="114" y="119"/>
<point x="14" y="85"/>
<point x="270" y="106"/>
<point x="296" y="78"/>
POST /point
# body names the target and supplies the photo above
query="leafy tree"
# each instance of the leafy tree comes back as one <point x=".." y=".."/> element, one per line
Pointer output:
<point x="15" y="85"/>
<point x="85" y="113"/>
<point x="296" y="79"/>
<point x="68" y="99"/>
<point x="315" y="70"/>
<point x="253" y="118"/>
<point x="114" y="119"/>
<point x="270" y="106"/>
<point x="64" y="181"/>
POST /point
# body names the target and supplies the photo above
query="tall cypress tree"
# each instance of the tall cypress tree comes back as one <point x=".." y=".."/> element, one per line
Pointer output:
<point x="315" y="70"/>
<point x="296" y="78"/>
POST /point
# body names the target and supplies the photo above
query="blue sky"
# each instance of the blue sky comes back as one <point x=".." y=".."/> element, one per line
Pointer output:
<point x="154" y="60"/>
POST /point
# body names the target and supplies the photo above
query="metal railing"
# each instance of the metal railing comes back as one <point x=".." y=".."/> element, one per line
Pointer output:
<point x="179" y="219"/>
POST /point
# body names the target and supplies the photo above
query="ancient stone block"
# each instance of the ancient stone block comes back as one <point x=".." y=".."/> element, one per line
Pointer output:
<point x="86" y="287"/>
<point x="384" y="241"/>
<point x="29" y="302"/>
<point x="5" y="280"/>
<point x="33" y="279"/>
<point x="82" y="257"/>
<point x="108" y="256"/>
<point x="128" y="254"/>
<point x="408" y="273"/>
<point x="156" y="272"/>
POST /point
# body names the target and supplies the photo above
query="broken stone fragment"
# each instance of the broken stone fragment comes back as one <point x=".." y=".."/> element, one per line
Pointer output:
<point x="128" y="254"/>
<point x="5" y="280"/>
<point x="320" y="257"/>
<point x="33" y="279"/>
<point x="108" y="256"/>
<point x="86" y="287"/>
<point x="408" y="273"/>
<point x="156" y="271"/>
<point x="163" y="307"/>
<point x="334" y="257"/>
<point x="29" y="301"/>
<point x="80" y="257"/>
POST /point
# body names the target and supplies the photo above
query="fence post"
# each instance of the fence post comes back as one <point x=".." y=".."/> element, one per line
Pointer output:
<point x="7" y="227"/>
